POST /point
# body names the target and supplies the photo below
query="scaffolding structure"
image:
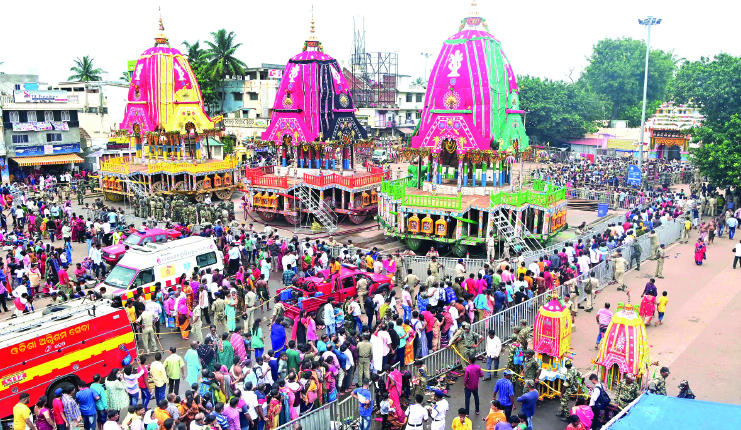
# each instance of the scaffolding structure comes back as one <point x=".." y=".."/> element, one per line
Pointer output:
<point x="374" y="75"/>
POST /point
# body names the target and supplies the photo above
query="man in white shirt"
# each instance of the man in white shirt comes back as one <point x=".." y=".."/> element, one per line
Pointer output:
<point x="460" y="269"/>
<point x="596" y="390"/>
<point x="234" y="259"/>
<point x="438" y="411"/>
<point x="250" y="400"/>
<point x="533" y="267"/>
<point x="356" y="312"/>
<point x="289" y="260"/>
<point x="493" y="350"/>
<point x="377" y="267"/>
<point x="416" y="414"/>
<point x="737" y="254"/>
<point x="97" y="257"/>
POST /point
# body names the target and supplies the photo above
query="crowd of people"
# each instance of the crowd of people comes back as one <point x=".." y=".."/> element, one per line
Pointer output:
<point x="374" y="340"/>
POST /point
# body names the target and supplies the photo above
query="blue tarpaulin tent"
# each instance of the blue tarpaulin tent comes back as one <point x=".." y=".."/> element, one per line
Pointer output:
<point x="667" y="413"/>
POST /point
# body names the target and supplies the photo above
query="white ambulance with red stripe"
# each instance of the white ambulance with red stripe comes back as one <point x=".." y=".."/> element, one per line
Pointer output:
<point x="143" y="266"/>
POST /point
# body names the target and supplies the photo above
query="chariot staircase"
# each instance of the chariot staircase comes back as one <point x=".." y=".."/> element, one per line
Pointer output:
<point x="323" y="213"/>
<point x="507" y="231"/>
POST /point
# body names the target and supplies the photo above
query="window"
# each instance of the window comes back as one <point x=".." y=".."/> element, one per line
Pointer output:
<point x="65" y="115"/>
<point x="48" y="116"/>
<point x="18" y="87"/>
<point x="144" y="277"/>
<point x="419" y="97"/>
<point x="253" y="96"/>
<point x="53" y="137"/>
<point x="204" y="260"/>
<point x="14" y="116"/>
<point x="237" y="97"/>
<point x="160" y="238"/>
<point x="20" y="138"/>
<point x="419" y="115"/>
<point x="409" y="97"/>
<point x="31" y="116"/>
<point x="409" y="116"/>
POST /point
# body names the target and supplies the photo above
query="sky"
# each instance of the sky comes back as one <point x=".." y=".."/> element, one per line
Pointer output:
<point x="540" y="38"/>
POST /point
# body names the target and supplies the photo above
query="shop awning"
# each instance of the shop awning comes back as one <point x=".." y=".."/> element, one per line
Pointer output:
<point x="406" y="130"/>
<point x="48" y="159"/>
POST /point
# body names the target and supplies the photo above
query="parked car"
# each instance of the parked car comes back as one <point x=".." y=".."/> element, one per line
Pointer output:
<point x="380" y="156"/>
<point x="112" y="254"/>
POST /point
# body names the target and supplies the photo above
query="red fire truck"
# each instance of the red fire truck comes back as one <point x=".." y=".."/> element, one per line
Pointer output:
<point x="62" y="345"/>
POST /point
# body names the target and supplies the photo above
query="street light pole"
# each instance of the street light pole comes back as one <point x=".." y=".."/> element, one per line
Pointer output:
<point x="648" y="22"/>
<point x="426" y="55"/>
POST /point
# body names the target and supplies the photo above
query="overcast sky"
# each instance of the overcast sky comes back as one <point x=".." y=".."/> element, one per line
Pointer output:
<point x="541" y="38"/>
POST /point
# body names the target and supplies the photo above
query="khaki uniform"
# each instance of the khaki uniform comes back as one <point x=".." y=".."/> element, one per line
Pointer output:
<point x="249" y="302"/>
<point x="362" y="286"/>
<point x="146" y="319"/>
<point x="219" y="309"/>
<point x="364" y="359"/>
<point x="197" y="325"/>
<point x="654" y="244"/>
<point x="590" y="286"/>
<point x="660" y="263"/>
<point x="621" y="265"/>
<point x="434" y="268"/>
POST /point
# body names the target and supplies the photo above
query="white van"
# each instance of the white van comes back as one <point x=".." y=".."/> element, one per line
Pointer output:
<point x="142" y="266"/>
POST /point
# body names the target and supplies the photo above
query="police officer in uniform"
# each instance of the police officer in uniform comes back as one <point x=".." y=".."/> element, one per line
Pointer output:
<point x="658" y="385"/>
<point x="465" y="340"/>
<point x="417" y="414"/>
<point x="570" y="388"/>
<point x="627" y="390"/>
<point x="438" y="411"/>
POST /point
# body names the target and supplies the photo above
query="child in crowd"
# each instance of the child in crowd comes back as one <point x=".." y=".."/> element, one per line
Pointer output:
<point x="661" y="308"/>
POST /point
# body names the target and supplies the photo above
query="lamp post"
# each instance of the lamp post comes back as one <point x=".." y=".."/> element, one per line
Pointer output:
<point x="648" y="22"/>
<point x="426" y="55"/>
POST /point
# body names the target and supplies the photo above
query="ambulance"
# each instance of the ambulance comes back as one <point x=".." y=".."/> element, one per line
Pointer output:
<point x="143" y="266"/>
<point x="62" y="345"/>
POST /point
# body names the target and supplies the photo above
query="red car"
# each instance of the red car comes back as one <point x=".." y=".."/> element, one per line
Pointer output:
<point x="112" y="254"/>
<point x="312" y="292"/>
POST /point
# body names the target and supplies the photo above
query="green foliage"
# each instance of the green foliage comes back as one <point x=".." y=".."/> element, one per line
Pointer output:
<point x="714" y="85"/>
<point x="209" y="86"/>
<point x="84" y="70"/>
<point x="221" y="60"/>
<point x="228" y="141"/>
<point x="557" y="110"/>
<point x="125" y="77"/>
<point x="616" y="69"/>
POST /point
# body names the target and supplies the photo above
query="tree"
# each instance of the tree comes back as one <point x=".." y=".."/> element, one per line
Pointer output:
<point x="714" y="85"/>
<point x="196" y="54"/>
<point x="558" y="111"/>
<point x="84" y="70"/>
<point x="420" y="82"/>
<point x="125" y="77"/>
<point x="228" y="141"/>
<point x="221" y="59"/>
<point x="616" y="69"/>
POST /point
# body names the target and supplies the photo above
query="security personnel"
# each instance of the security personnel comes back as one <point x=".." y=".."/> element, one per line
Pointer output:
<point x="438" y="411"/>
<point x="417" y="414"/>
<point x="627" y="390"/>
<point x="530" y="368"/>
<point x="660" y="256"/>
<point x="570" y="388"/>
<point x="620" y="264"/>
<point x="658" y="385"/>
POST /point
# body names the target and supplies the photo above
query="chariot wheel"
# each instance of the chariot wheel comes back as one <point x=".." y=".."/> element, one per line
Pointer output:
<point x="113" y="196"/>
<point x="201" y="196"/>
<point x="414" y="243"/>
<point x="267" y="216"/>
<point x="158" y="187"/>
<point x="358" y="203"/>
<point x="225" y="194"/>
<point x="460" y="249"/>
<point x="293" y="219"/>
<point x="179" y="186"/>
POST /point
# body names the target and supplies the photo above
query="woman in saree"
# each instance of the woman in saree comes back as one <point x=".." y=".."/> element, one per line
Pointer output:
<point x="75" y="228"/>
<point x="278" y="336"/>
<point x="437" y="324"/>
<point x="331" y="385"/>
<point x="238" y="345"/>
<point x="648" y="307"/>
<point x="189" y="296"/>
<point x="309" y="395"/>
<point x="394" y="385"/>
<point x="299" y="328"/>
<point x="183" y="319"/>
<point x="445" y="324"/>
<point x="583" y="411"/>
<point x="231" y="310"/>
<point x="207" y="354"/>
<point x="274" y="408"/>
<point x="409" y="347"/>
<point x="239" y="277"/>
<point x="700" y="250"/>
<point x="225" y="350"/>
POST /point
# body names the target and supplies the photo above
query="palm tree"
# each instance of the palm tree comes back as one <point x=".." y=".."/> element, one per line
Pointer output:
<point x="84" y="70"/>
<point x="194" y="53"/>
<point x="221" y="59"/>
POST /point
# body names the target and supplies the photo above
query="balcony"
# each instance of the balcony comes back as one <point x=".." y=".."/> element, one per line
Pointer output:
<point x="239" y="122"/>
